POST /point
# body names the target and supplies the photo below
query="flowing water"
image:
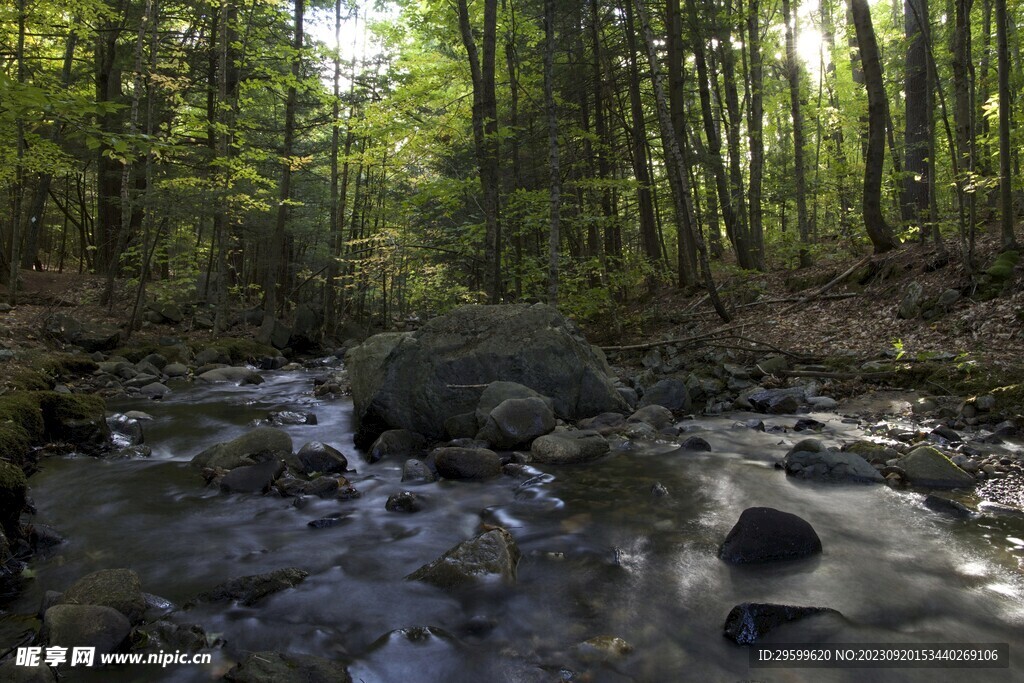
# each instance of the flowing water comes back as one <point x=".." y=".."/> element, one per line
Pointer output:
<point x="602" y="555"/>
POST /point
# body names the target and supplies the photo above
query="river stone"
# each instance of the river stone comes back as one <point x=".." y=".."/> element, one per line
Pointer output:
<point x="654" y="415"/>
<point x="910" y="306"/>
<point x="404" y="501"/>
<point x="13" y="490"/>
<point x="419" y="380"/>
<point x="453" y="462"/>
<point x="832" y="466"/>
<point x="261" y="444"/>
<point x="238" y="374"/>
<point x="604" y="424"/>
<point x="670" y="393"/>
<point x="765" y="535"/>
<point x="462" y="426"/>
<point x="321" y="487"/>
<point x="563" y="448"/>
<point x="947" y="506"/>
<point x="603" y="649"/>
<point x="277" y="667"/>
<point x="417" y="472"/>
<point x="517" y="421"/>
<point x="750" y="621"/>
<point x="776" y="401"/>
<point x="496" y="393"/>
<point x="491" y="555"/>
<point x="12" y="672"/>
<point x="248" y="590"/>
<point x="256" y="478"/>
<point x="90" y="336"/>
<point x="925" y="466"/>
<point x="212" y="355"/>
<point x="103" y="628"/>
<point x="396" y="442"/>
<point x="154" y="390"/>
<point x="316" y="456"/>
<point x="118" y="589"/>
<point x="79" y="419"/>
<point x="872" y="452"/>
<point x="175" y="369"/>
<point x="695" y="443"/>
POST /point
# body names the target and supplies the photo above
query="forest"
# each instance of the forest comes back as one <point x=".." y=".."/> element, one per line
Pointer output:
<point x="378" y="162"/>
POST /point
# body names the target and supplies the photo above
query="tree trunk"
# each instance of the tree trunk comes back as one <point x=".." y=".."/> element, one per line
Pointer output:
<point x="917" y="164"/>
<point x="686" y="250"/>
<point x="878" y="230"/>
<point x="964" y="110"/>
<point x="277" y="257"/>
<point x="793" y="72"/>
<point x="674" y="156"/>
<point x="1009" y="240"/>
<point x="755" y="132"/>
<point x="554" y="169"/>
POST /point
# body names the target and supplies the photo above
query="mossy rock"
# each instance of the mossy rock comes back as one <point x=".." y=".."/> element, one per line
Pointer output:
<point x="14" y="442"/>
<point x="1010" y="399"/>
<point x="22" y="408"/>
<point x="78" y="418"/>
<point x="13" y="487"/>
<point x="174" y="354"/>
<point x="240" y="350"/>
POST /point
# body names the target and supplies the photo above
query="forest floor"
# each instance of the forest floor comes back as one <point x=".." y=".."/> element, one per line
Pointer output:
<point x="983" y="339"/>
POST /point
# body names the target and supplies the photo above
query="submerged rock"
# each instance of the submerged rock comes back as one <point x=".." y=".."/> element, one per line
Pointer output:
<point x="564" y="448"/>
<point x="278" y="667"/>
<point x="248" y="590"/>
<point x="809" y="459"/>
<point x="750" y="621"/>
<point x="765" y="534"/>
<point x="489" y="556"/>
<point x="240" y="375"/>
<point x="603" y="649"/>
<point x="419" y="380"/>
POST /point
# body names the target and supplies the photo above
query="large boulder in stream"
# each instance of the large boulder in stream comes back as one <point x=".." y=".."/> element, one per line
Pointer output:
<point x="118" y="589"/>
<point x="766" y="535"/>
<point x="419" y="380"/>
<point x="259" y="445"/>
<point x="491" y="555"/>
<point x="569" y="447"/>
<point x="925" y="466"/>
<point x="809" y="459"/>
<point x="103" y="628"/>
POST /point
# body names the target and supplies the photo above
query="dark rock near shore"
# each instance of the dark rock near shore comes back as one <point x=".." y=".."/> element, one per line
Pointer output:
<point x="564" y="448"/>
<point x="278" y="667"/>
<point x="765" y="535"/>
<point x="516" y="422"/>
<point x="248" y="590"/>
<point x="925" y="466"/>
<point x="750" y="621"/>
<point x="466" y="463"/>
<point x="258" y="478"/>
<point x="404" y="501"/>
<point x="316" y="456"/>
<point x="118" y="589"/>
<point x="259" y="445"/>
<point x="103" y="628"/>
<point x="809" y="459"/>
<point x="670" y="393"/>
<point x="396" y="442"/>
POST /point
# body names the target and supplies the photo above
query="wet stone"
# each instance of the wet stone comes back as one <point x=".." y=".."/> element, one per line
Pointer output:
<point x="405" y="501"/>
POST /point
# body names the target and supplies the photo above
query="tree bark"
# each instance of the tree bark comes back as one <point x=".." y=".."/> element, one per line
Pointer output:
<point x="1009" y="240"/>
<point x="793" y="72"/>
<point x="878" y="230"/>
<point x="755" y="132"/>
<point x="917" y="164"/>
<point x="554" y="168"/>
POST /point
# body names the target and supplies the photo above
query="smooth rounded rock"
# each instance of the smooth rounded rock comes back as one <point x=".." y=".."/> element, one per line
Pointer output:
<point x="765" y="534"/>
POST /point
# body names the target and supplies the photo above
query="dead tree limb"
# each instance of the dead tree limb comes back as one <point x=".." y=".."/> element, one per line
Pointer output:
<point x="832" y="283"/>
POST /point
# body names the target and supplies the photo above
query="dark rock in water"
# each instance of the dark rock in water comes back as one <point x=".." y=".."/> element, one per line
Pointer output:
<point x="103" y="628"/>
<point x="777" y="401"/>
<point x="659" y="490"/>
<point x="491" y="555"/>
<point x="604" y="424"/>
<point x="809" y="459"/>
<point x="124" y="431"/>
<point x="765" y="535"/>
<point x="564" y="448"/>
<point x="654" y="415"/>
<point x="417" y="471"/>
<point x="466" y="463"/>
<point x="325" y="522"/>
<point x="396" y="442"/>
<point x="248" y="590"/>
<point x="118" y="589"/>
<point x="252" y="478"/>
<point x="750" y="621"/>
<point x="696" y="443"/>
<point x="166" y="636"/>
<point x="79" y="419"/>
<point x="277" y="667"/>
<point x="949" y="507"/>
<point x="603" y="649"/>
<point x="406" y="501"/>
<point x="42" y="537"/>
<point x="259" y="445"/>
<point x="517" y="421"/>
<point x="925" y="466"/>
<point x="755" y="424"/>
<point x="12" y="672"/>
<point x="419" y="380"/>
<point x="670" y="393"/>
<point x="806" y="424"/>
<point x="321" y="487"/>
<point x="292" y="417"/>
<point x="945" y="433"/>
<point x="316" y="456"/>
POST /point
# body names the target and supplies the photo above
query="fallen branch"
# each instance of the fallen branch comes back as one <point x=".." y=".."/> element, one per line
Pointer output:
<point x="835" y="281"/>
<point x="667" y="342"/>
<point x="825" y="374"/>
<point x="790" y="299"/>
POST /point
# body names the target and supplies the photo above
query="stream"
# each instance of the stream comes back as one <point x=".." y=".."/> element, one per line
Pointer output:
<point x="602" y="555"/>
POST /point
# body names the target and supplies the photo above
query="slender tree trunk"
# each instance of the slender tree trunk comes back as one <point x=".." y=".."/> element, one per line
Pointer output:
<point x="878" y="230"/>
<point x="277" y="257"/>
<point x="755" y="132"/>
<point x="686" y="250"/>
<point x="19" y="184"/>
<point x="1009" y="239"/>
<point x="962" y="84"/>
<point x="793" y="72"/>
<point x="675" y="156"/>
<point x="734" y="115"/>
<point x="917" y="162"/>
<point x="554" y="167"/>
